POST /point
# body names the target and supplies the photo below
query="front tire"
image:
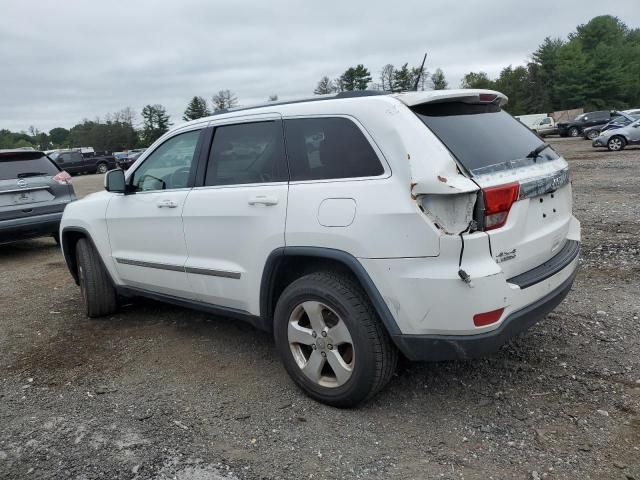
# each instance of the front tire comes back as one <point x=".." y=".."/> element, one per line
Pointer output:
<point x="331" y="340"/>
<point x="98" y="293"/>
<point x="593" y="134"/>
<point x="615" y="144"/>
<point x="574" y="132"/>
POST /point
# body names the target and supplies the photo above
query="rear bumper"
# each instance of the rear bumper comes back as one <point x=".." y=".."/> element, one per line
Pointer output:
<point x="455" y="347"/>
<point x="29" y="227"/>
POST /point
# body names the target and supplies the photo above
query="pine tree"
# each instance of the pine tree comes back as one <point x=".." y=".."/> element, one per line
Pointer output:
<point x="438" y="81"/>
<point x="156" y="123"/>
<point x="197" y="108"/>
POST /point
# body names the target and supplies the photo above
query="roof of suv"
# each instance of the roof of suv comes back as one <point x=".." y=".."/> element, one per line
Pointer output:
<point x="408" y="98"/>
<point x="20" y="150"/>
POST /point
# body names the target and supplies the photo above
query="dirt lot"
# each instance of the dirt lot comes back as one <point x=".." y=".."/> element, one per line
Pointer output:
<point x="162" y="392"/>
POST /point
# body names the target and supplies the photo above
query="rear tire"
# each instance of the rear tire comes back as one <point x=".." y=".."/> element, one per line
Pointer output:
<point x="102" y="168"/>
<point x="617" y="143"/>
<point x="593" y="134"/>
<point x="342" y="336"/>
<point x="98" y="293"/>
<point x="574" y="132"/>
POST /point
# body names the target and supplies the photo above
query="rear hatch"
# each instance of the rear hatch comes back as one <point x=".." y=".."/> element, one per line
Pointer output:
<point x="31" y="184"/>
<point x="525" y="200"/>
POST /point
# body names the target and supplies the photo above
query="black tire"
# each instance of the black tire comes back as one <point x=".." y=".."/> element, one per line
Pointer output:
<point x="592" y="134"/>
<point x="574" y="132"/>
<point x="374" y="355"/>
<point x="56" y="237"/>
<point x="102" y="168"/>
<point x="616" y="143"/>
<point x="97" y="291"/>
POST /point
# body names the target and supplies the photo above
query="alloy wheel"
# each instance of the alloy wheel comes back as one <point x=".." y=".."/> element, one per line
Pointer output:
<point x="321" y="344"/>
<point x="615" y="144"/>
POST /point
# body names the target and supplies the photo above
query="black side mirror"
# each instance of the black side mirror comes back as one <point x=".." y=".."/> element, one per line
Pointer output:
<point x="114" y="181"/>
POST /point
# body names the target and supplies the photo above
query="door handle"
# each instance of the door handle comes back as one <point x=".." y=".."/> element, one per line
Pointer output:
<point x="167" y="204"/>
<point x="265" y="200"/>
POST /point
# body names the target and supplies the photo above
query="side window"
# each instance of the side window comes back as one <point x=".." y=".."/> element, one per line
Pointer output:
<point x="169" y="165"/>
<point x="326" y="148"/>
<point x="247" y="153"/>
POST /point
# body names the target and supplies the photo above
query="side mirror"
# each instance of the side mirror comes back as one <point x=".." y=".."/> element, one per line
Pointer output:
<point x="114" y="181"/>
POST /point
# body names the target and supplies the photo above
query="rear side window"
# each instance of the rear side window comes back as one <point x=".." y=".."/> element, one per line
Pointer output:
<point x="247" y="153"/>
<point x="328" y="148"/>
<point x="27" y="164"/>
<point x="482" y="137"/>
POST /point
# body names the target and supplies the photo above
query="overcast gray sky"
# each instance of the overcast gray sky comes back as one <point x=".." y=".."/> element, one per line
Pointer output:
<point x="65" y="60"/>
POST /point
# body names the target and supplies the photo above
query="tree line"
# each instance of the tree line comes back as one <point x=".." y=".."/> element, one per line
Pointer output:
<point x="596" y="67"/>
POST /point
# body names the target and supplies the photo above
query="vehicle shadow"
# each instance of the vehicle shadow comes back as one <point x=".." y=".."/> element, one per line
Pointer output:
<point x="22" y="248"/>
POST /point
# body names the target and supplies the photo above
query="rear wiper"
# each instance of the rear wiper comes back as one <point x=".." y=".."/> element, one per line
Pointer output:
<point x="31" y="174"/>
<point x="535" y="153"/>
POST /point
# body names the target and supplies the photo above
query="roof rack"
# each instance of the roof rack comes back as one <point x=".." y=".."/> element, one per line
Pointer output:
<point x="339" y="95"/>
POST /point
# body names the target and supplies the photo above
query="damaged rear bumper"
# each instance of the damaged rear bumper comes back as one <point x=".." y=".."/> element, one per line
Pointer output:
<point x="456" y="347"/>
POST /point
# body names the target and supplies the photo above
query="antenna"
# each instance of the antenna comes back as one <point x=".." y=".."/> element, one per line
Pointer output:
<point x="415" y="87"/>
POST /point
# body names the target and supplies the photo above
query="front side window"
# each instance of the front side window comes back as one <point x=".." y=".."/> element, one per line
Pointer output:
<point x="169" y="166"/>
<point x="247" y="153"/>
<point x="329" y="148"/>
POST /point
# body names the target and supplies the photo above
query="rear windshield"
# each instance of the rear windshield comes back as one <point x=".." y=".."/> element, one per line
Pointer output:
<point x="482" y="137"/>
<point x="25" y="164"/>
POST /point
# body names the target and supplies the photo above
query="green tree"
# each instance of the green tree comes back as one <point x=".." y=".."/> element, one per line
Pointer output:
<point x="356" y="78"/>
<point x="438" y="80"/>
<point x="403" y="79"/>
<point x="476" y="80"/>
<point x="59" y="137"/>
<point x="155" y="123"/>
<point x="514" y="83"/>
<point x="197" y="108"/>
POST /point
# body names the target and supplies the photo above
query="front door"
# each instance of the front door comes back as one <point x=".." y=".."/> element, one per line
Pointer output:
<point x="145" y="227"/>
<point x="236" y="216"/>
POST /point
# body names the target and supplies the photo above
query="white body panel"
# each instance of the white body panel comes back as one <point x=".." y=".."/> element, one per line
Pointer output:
<point x="231" y="234"/>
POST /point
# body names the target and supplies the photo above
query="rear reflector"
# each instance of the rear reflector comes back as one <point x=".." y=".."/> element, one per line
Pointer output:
<point x="497" y="203"/>
<point x="487" y="318"/>
<point x="63" y="178"/>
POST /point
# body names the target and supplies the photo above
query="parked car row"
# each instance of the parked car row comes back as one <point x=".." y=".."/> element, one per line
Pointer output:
<point x="616" y="139"/>
<point x="125" y="159"/>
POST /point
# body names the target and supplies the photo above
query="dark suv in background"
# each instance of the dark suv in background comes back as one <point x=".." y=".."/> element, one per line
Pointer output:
<point x="33" y="194"/>
<point x="75" y="162"/>
<point x="585" y="120"/>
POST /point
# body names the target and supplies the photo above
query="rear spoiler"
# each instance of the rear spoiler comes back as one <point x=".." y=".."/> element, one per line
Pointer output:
<point x="412" y="99"/>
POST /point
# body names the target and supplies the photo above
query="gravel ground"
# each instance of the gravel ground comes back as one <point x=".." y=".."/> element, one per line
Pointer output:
<point x="161" y="392"/>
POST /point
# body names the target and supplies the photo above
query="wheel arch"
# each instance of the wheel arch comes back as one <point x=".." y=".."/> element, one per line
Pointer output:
<point x="69" y="241"/>
<point x="286" y="264"/>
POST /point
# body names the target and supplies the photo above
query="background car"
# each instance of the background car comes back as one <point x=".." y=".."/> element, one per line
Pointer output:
<point x="621" y="120"/>
<point x="125" y="159"/>
<point x="619" y="138"/>
<point x="34" y="191"/>
<point x="576" y="127"/>
<point x="74" y="161"/>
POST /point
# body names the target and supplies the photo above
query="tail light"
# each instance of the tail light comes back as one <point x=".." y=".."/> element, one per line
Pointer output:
<point x="63" y="178"/>
<point x="497" y="203"/>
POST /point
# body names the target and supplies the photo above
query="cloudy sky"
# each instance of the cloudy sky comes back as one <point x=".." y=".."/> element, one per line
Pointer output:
<point x="65" y="60"/>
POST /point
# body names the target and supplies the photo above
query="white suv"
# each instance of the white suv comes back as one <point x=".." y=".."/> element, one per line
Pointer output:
<point x="352" y="226"/>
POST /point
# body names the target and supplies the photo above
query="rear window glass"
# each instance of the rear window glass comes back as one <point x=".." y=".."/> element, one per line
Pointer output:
<point x="482" y="137"/>
<point x="22" y="165"/>
<point x="327" y="148"/>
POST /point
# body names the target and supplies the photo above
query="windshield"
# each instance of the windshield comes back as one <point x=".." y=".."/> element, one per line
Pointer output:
<point x="483" y="137"/>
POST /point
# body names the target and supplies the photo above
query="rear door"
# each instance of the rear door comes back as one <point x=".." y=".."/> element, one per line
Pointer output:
<point x="145" y="228"/>
<point x="27" y="187"/>
<point x="497" y="152"/>
<point x="235" y="217"/>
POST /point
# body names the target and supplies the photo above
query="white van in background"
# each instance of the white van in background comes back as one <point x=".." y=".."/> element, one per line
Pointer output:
<point x="541" y="123"/>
